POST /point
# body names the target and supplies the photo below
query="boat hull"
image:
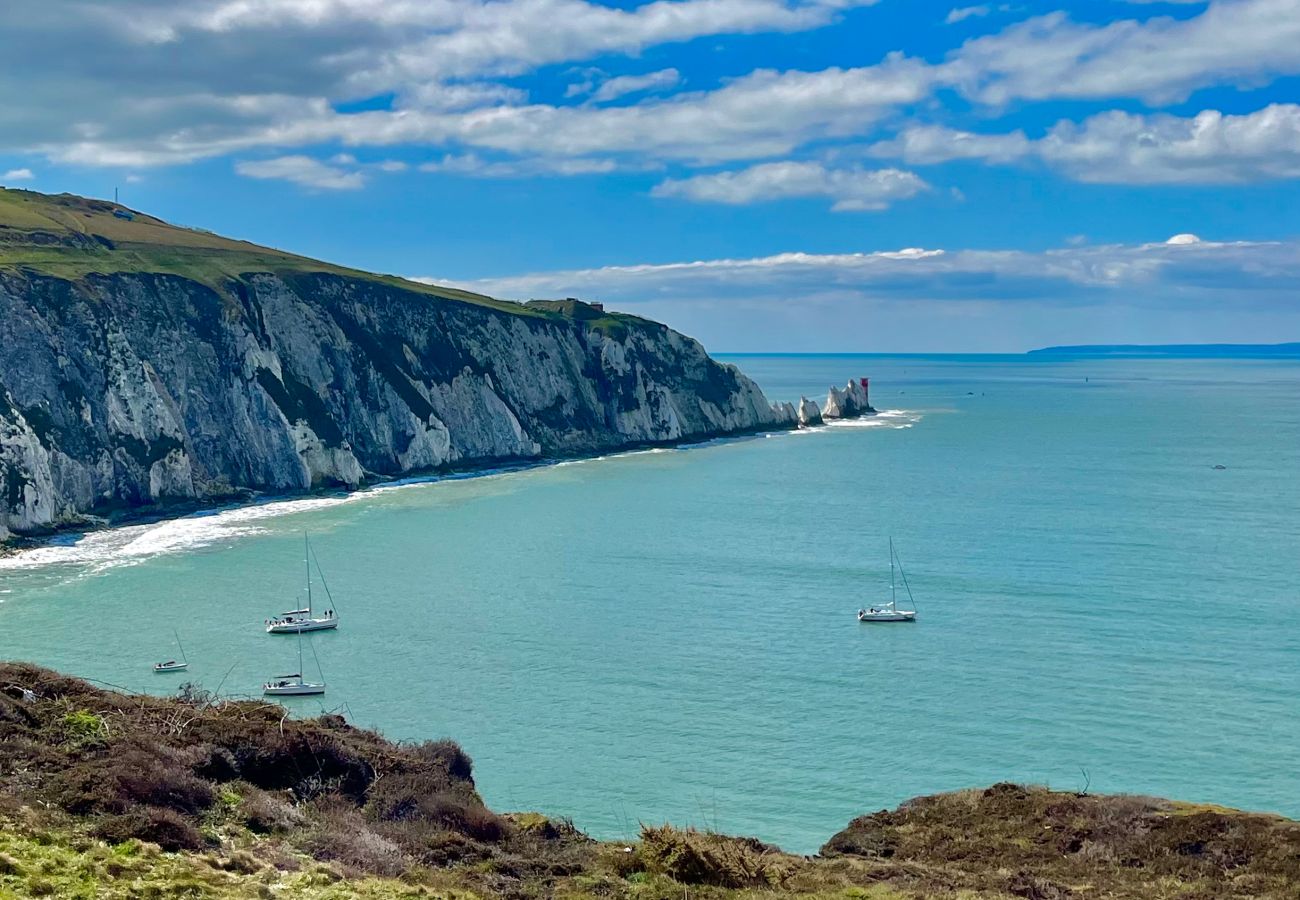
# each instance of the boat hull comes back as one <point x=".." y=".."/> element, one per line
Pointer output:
<point x="869" y="618"/>
<point x="292" y="690"/>
<point x="177" y="667"/>
<point x="302" y="627"/>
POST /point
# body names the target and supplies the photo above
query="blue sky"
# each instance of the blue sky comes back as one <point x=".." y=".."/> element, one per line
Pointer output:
<point x="764" y="174"/>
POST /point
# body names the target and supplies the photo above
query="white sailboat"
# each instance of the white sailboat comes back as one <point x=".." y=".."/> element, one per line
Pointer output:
<point x="890" y="612"/>
<point x="173" y="665"/>
<point x="294" y="685"/>
<point x="296" y="621"/>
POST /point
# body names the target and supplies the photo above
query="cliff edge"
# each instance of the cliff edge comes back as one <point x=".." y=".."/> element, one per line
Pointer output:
<point x="105" y="795"/>
<point x="142" y="363"/>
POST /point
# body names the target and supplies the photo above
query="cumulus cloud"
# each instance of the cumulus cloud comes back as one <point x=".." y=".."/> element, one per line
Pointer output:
<point x="476" y="166"/>
<point x="635" y="84"/>
<point x="1161" y="60"/>
<point x="1207" y="148"/>
<point x="211" y="77"/>
<point x="1070" y="275"/>
<point x="956" y="299"/>
<point x="852" y="189"/>
<point x="963" y="13"/>
<point x="17" y="175"/>
<point x="1126" y="148"/>
<point x="930" y="144"/>
<point x="372" y="73"/>
<point x="765" y="113"/>
<point x="932" y="299"/>
<point x="305" y="171"/>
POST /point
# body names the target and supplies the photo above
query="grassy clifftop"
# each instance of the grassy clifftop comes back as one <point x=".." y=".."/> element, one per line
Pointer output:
<point x="72" y="237"/>
<point x="104" y="795"/>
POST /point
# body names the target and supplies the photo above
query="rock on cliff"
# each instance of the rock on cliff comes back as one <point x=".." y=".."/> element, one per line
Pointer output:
<point x="134" y="388"/>
<point x="809" y="413"/>
<point x="852" y="401"/>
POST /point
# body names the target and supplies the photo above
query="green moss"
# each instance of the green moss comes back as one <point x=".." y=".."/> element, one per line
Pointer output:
<point x="82" y="728"/>
<point x="73" y="238"/>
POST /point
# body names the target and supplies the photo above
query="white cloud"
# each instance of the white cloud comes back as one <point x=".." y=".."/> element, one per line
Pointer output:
<point x="231" y="88"/>
<point x="929" y="144"/>
<point x="1161" y="60"/>
<point x="852" y="189"/>
<point x="765" y="113"/>
<point x="1208" y="148"/>
<point x="304" y="171"/>
<point x="633" y="84"/>
<point x="1071" y="275"/>
<point x="17" y="175"/>
<point x="1125" y="148"/>
<point x="953" y="300"/>
<point x="478" y="167"/>
<point x="151" y="82"/>
<point x="960" y="14"/>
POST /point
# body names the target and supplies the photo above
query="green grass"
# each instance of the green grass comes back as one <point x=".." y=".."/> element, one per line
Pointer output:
<point x="60" y="235"/>
<point x="66" y="864"/>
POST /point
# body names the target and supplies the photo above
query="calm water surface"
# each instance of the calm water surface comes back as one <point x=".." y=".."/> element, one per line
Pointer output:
<point x="671" y="635"/>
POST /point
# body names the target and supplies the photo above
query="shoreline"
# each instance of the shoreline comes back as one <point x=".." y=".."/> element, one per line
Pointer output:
<point x="152" y="514"/>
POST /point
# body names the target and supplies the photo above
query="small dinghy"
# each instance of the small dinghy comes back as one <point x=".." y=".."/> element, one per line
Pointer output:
<point x="890" y="612"/>
<point x="173" y="665"/>
<point x="295" y="685"/>
<point x="296" y="621"/>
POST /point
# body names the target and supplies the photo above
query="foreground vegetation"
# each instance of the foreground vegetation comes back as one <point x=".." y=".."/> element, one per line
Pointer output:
<point x="104" y="795"/>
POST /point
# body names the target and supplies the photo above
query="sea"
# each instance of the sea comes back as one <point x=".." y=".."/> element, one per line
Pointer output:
<point x="1104" y="555"/>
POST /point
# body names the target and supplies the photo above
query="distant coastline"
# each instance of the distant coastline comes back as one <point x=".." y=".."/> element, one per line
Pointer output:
<point x="1186" y="351"/>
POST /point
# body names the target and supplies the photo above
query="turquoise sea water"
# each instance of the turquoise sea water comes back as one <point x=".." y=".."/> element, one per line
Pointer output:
<point x="671" y="636"/>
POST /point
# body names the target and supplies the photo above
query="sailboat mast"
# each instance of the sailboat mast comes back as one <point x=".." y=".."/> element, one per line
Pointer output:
<point x="179" y="644"/>
<point x="893" y="590"/>
<point x="306" y="558"/>
<point x="300" y="678"/>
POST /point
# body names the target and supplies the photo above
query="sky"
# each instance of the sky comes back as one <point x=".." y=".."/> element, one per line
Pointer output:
<point x="765" y="175"/>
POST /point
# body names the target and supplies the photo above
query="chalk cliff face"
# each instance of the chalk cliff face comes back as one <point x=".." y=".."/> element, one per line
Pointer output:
<point x="849" y="403"/>
<point x="132" y="389"/>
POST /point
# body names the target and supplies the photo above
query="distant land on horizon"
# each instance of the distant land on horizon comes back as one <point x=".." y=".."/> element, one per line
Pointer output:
<point x="1201" y="351"/>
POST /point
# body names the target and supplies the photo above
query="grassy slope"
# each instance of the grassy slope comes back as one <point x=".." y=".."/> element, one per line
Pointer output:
<point x="106" y="795"/>
<point x="60" y="235"/>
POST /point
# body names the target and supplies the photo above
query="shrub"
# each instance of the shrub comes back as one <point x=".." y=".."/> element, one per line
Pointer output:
<point x="134" y="776"/>
<point x="164" y="827"/>
<point x="428" y="797"/>
<point x="695" y="857"/>
<point x="265" y="813"/>
<point x="82" y="728"/>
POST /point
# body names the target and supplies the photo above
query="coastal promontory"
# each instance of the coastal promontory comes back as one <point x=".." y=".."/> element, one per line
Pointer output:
<point x="144" y="364"/>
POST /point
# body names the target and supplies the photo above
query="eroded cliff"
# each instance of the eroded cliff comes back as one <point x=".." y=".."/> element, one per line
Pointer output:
<point x="125" y="387"/>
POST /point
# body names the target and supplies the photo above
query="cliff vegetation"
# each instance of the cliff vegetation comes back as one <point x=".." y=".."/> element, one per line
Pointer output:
<point x="104" y="795"/>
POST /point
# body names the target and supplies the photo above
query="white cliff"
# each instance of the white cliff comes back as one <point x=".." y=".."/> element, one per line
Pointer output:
<point x="810" y="413"/>
<point x="851" y="401"/>
<point x="134" y="389"/>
